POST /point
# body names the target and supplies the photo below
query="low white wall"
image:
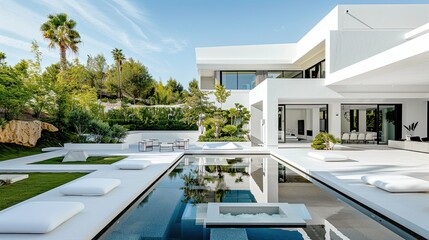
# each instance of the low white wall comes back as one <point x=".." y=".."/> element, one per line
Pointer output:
<point x="410" y="145"/>
<point x="96" y="146"/>
<point x="163" y="136"/>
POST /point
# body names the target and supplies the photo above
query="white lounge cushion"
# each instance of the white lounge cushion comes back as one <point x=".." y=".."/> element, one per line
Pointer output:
<point x="132" y="164"/>
<point x="397" y="183"/>
<point x="90" y="187"/>
<point x="327" y="156"/>
<point x="37" y="217"/>
<point x="371" y="179"/>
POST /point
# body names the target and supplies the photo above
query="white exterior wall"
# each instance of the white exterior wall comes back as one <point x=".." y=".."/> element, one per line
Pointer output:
<point x="413" y="111"/>
<point x="349" y="47"/>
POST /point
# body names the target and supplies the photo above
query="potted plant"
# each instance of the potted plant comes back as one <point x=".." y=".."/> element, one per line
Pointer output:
<point x="410" y="130"/>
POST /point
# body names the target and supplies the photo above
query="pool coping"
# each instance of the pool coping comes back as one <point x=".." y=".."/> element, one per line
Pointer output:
<point x="325" y="175"/>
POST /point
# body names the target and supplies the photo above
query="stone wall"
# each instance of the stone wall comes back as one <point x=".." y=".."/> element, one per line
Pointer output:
<point x="24" y="133"/>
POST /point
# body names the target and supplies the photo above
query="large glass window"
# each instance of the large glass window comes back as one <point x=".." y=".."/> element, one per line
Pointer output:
<point x="316" y="71"/>
<point x="238" y="80"/>
<point x="285" y="74"/>
<point x="246" y="80"/>
<point x="229" y="80"/>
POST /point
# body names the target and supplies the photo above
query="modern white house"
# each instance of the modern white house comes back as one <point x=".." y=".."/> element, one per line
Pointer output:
<point x="362" y="68"/>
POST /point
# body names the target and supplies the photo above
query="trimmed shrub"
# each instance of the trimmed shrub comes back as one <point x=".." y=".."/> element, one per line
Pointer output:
<point x="324" y="141"/>
<point x="229" y="129"/>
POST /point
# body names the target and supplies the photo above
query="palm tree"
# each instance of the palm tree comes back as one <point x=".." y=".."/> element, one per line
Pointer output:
<point x="59" y="30"/>
<point x="2" y="57"/>
<point x="119" y="57"/>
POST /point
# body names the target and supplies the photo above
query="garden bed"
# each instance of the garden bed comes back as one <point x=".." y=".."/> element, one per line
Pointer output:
<point x="35" y="184"/>
<point x="89" y="160"/>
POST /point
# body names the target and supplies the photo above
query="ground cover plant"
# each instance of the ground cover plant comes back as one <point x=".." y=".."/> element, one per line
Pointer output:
<point x="35" y="184"/>
<point x="89" y="160"/>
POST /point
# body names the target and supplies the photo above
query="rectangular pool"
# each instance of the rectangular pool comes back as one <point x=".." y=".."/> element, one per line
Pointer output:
<point x="176" y="207"/>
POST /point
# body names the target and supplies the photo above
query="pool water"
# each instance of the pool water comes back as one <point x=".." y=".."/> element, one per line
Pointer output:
<point x="175" y="209"/>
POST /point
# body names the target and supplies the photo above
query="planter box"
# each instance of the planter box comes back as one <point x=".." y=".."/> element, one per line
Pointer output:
<point x="96" y="146"/>
<point x="410" y="145"/>
<point x="243" y="144"/>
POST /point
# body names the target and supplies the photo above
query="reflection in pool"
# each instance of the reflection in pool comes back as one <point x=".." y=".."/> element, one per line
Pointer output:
<point x="177" y="207"/>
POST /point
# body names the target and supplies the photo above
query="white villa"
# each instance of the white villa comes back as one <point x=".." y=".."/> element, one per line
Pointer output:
<point x="362" y="68"/>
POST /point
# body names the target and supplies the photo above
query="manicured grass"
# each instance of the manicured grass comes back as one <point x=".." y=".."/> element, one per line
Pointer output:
<point x="89" y="160"/>
<point x="11" y="151"/>
<point x="35" y="184"/>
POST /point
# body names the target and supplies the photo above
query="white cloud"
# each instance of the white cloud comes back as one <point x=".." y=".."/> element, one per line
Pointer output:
<point x="133" y="11"/>
<point x="174" y="45"/>
<point x="25" y="24"/>
<point x="15" y="43"/>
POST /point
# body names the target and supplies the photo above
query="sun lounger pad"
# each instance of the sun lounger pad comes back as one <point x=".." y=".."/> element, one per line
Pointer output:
<point x="37" y="217"/>
<point x="328" y="157"/>
<point x="90" y="187"/>
<point x="132" y="164"/>
<point x="398" y="183"/>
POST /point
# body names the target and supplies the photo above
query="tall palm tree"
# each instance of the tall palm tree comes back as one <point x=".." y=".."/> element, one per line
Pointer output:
<point x="59" y="30"/>
<point x="119" y="57"/>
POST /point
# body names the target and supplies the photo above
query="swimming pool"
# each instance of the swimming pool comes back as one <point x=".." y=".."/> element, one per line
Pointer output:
<point x="177" y="206"/>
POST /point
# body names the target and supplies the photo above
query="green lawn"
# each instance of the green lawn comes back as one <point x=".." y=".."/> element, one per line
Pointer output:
<point x="35" y="184"/>
<point x="89" y="160"/>
<point x="10" y="151"/>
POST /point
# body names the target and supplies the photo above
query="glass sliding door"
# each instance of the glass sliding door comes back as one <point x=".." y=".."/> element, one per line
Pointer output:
<point x="389" y="123"/>
<point x="382" y="121"/>
<point x="301" y="122"/>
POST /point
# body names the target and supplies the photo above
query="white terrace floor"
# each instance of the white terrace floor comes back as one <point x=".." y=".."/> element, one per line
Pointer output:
<point x="410" y="210"/>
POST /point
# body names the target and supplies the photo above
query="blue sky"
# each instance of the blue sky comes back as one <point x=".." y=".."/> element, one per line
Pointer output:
<point x="162" y="34"/>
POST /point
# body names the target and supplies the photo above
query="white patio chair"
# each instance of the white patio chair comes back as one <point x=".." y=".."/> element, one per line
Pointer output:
<point x="345" y="138"/>
<point x="369" y="137"/>
<point x="353" y="137"/>
<point x="361" y="137"/>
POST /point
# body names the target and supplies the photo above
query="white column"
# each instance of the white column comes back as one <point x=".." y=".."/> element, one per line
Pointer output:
<point x="270" y="115"/>
<point x="334" y="118"/>
<point x="316" y="121"/>
<point x="362" y="120"/>
<point x="255" y="123"/>
<point x="308" y="123"/>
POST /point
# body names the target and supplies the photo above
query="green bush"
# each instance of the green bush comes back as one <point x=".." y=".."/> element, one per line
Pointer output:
<point x="210" y="133"/>
<point x="100" y="130"/>
<point x="117" y="133"/>
<point x="149" y="118"/>
<point x="229" y="129"/>
<point x="324" y="141"/>
<point x="203" y="138"/>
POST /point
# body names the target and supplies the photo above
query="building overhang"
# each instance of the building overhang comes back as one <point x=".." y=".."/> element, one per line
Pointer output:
<point x="402" y="67"/>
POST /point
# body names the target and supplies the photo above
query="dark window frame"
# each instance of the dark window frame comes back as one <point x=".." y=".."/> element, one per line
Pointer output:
<point x="283" y="72"/>
<point x="318" y="67"/>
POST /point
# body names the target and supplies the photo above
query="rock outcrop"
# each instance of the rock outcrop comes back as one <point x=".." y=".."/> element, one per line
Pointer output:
<point x="24" y="133"/>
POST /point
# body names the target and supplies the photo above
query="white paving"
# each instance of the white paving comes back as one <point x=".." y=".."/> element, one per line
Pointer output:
<point x="99" y="210"/>
<point x="408" y="209"/>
